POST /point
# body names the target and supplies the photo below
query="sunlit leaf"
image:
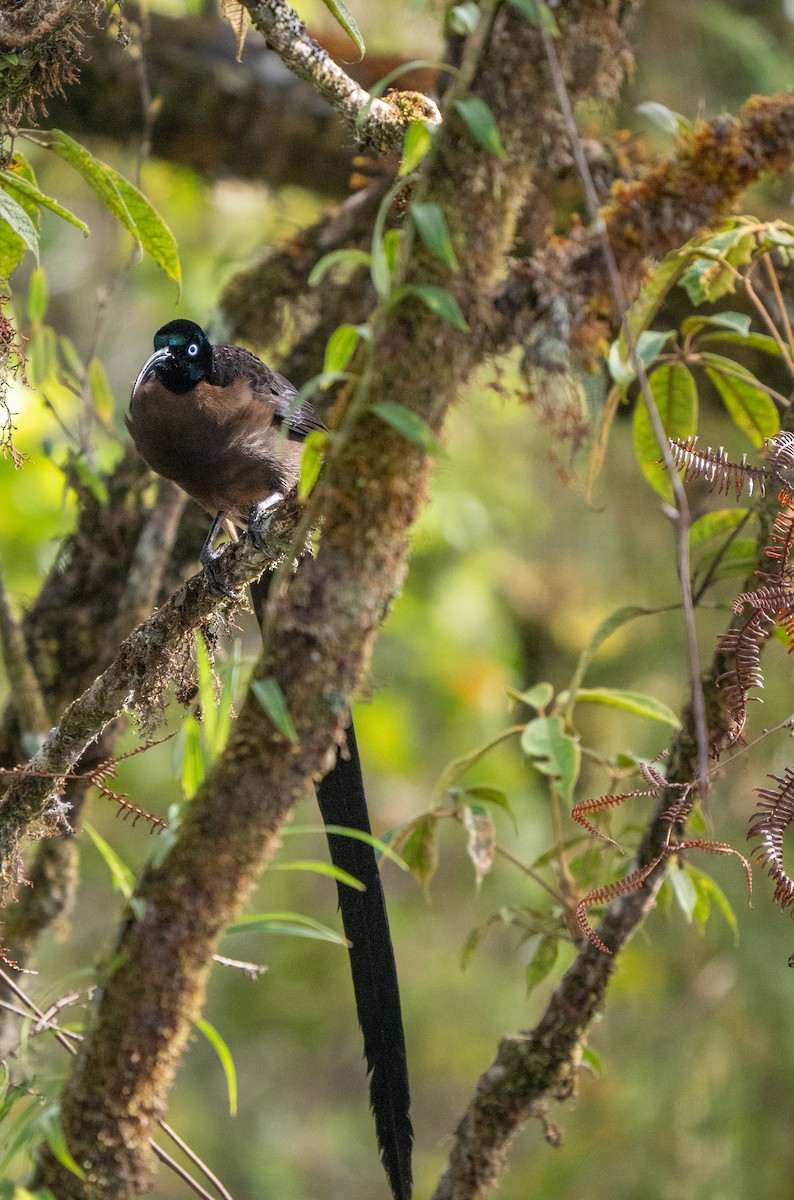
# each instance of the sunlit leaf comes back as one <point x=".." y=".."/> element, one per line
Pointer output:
<point x="312" y="461"/>
<point x="18" y="182"/>
<point x="734" y="321"/>
<point x="101" y="393"/>
<point x="664" y="118"/>
<point x="379" y="845"/>
<point x="638" y="703"/>
<point x="418" y="140"/>
<point x="683" y="891"/>
<point x="37" y="296"/>
<point x="708" y="891"/>
<point x="121" y="875"/>
<point x="49" y="1123"/>
<point x="342" y="15"/>
<point x="340" y="347"/>
<point x="675" y="392"/>
<point x="20" y="225"/>
<point x="750" y="408"/>
<point x="538" y="697"/>
<point x="151" y="230"/>
<point x="225" y="1058"/>
<point x="713" y="524"/>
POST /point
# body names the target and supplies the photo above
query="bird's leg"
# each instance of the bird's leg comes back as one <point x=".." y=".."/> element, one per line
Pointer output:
<point x="209" y="559"/>
<point x="259" y="522"/>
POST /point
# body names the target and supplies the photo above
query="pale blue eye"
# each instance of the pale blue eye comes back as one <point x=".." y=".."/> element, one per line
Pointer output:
<point x="193" y="349"/>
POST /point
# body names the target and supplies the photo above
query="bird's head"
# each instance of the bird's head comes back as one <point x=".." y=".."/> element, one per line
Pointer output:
<point x="182" y="355"/>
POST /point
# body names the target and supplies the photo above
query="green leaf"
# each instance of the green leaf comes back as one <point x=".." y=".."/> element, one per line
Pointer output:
<point x="101" y="393"/>
<point x="481" y="124"/>
<point x="312" y="461"/>
<point x="150" y="229"/>
<point x="431" y="223"/>
<point x="750" y="341"/>
<point x="734" y="321"/>
<point x="122" y="877"/>
<point x="538" y="697"/>
<point x="417" y="142"/>
<point x="642" y="313"/>
<point x="592" y="1059"/>
<point x="409" y="424"/>
<point x="320" y="868"/>
<point x="269" y="694"/>
<point x="340" y="347"/>
<point x="96" y="174"/>
<point x="461" y="20"/>
<point x="206" y="693"/>
<point x="542" y="962"/>
<point x="674" y="390"/>
<point x="489" y="795"/>
<point x="290" y="924"/>
<point x="536" y="13"/>
<point x="20" y="224"/>
<point x="553" y="752"/>
<point x="750" y="408"/>
<point x="708" y="891"/>
<point x="713" y="524"/>
<point x="49" y="1123"/>
<point x="683" y="891"/>
<point x="29" y="189"/>
<point x="418" y="845"/>
<point x="193" y="766"/>
<point x="225" y="1057"/>
<point x="638" y="703"/>
<point x="379" y="845"/>
<point x="379" y="263"/>
<point x="37" y="296"/>
<point x="351" y="258"/>
<point x="437" y="299"/>
<point x="664" y="118"/>
<point x="341" y="13"/>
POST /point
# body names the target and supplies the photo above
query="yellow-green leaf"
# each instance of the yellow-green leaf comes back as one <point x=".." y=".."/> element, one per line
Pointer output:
<point x="270" y="696"/>
<point x="673" y="388"/>
<point x="151" y="230"/>
<point x="481" y="124"/>
<point x="417" y="142"/>
<point x="225" y="1059"/>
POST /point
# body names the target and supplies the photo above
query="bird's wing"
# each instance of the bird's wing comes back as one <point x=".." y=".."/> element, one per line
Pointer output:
<point x="232" y="363"/>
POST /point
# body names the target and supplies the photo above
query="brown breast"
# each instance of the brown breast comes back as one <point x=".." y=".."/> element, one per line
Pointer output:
<point x="218" y="443"/>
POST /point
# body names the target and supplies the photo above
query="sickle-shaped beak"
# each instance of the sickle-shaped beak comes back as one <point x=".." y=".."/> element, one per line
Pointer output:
<point x="152" y="361"/>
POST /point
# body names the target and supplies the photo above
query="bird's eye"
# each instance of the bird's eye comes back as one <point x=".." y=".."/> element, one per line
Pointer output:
<point x="193" y="349"/>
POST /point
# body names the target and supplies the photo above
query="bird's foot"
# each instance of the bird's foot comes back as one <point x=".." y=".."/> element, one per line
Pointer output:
<point x="213" y="573"/>
<point x="259" y="523"/>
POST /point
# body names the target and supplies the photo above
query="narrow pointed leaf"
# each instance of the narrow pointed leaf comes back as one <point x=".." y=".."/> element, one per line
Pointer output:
<point x="225" y="1058"/>
<point x="151" y="230"/>
<point x="19" y="223"/>
<point x="430" y="221"/>
<point x="14" y="179"/>
<point x="409" y="424"/>
<point x="271" y="697"/>
<point x="481" y="125"/>
<point x="342" y="14"/>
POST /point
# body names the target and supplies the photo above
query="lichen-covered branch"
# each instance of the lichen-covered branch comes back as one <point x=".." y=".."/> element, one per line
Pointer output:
<point x="379" y="124"/>
<point x="136" y="678"/>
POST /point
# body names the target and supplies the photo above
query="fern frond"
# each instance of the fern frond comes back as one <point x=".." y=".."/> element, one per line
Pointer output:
<point x="743" y="645"/>
<point x="771" y="599"/>
<point x="716" y="848"/>
<point x="651" y="775"/>
<point x="781" y="539"/>
<point x="772" y="817"/>
<point x="584" y="808"/>
<point x="781" y="454"/>
<point x="717" y="469"/>
<point x="622" y="887"/>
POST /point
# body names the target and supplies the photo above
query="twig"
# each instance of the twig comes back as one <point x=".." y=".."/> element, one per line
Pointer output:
<point x="682" y="507"/>
<point x="375" y="123"/>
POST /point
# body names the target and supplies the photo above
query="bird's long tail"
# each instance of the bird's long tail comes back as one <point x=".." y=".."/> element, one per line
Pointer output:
<point x="366" y="925"/>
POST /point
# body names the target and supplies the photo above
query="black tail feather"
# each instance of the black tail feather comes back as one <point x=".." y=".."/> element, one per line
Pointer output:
<point x="366" y="925"/>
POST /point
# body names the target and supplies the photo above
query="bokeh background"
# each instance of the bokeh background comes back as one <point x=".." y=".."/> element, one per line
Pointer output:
<point x="512" y="570"/>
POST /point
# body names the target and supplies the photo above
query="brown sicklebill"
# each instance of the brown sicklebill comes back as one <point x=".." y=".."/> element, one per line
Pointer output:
<point x="228" y="431"/>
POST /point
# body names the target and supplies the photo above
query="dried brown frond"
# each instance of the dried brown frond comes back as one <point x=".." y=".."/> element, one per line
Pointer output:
<point x="772" y="599"/>
<point x="584" y="808"/>
<point x="651" y="775"/>
<point x="781" y="453"/>
<point x="781" y="538"/>
<point x="679" y="811"/>
<point x="722" y="475"/>
<point x="622" y="887"/>
<point x="772" y="817"/>
<point x="716" y="848"/>
<point x="743" y="645"/>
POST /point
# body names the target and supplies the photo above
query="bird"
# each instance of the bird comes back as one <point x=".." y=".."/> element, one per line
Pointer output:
<point x="229" y="430"/>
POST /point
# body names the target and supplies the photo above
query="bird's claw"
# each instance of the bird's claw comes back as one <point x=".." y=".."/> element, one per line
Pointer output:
<point x="213" y="574"/>
<point x="259" y="524"/>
